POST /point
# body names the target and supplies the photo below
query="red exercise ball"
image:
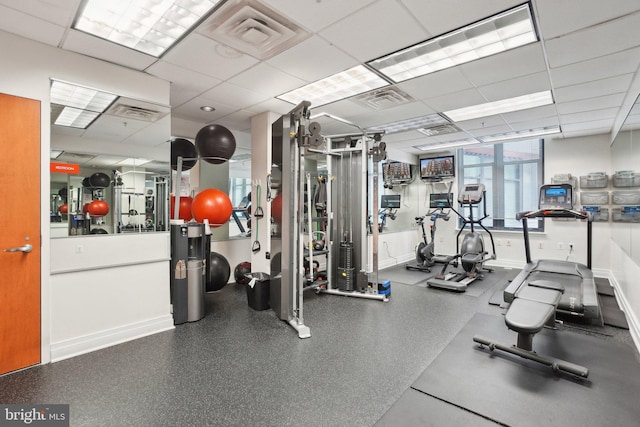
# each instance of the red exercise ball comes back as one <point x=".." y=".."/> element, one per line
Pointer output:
<point x="212" y="204"/>
<point x="98" y="208"/>
<point x="63" y="209"/>
<point x="184" y="211"/>
<point x="85" y="208"/>
<point x="276" y="208"/>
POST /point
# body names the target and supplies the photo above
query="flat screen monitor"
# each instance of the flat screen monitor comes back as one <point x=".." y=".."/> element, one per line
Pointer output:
<point x="390" y="201"/>
<point x="440" y="200"/>
<point x="437" y="167"/>
<point x="396" y="172"/>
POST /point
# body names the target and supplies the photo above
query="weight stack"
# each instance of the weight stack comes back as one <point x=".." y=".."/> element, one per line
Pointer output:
<point x="345" y="267"/>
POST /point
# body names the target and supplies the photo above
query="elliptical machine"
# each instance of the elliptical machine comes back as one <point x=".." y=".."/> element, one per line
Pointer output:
<point x="425" y="249"/>
<point x="471" y="252"/>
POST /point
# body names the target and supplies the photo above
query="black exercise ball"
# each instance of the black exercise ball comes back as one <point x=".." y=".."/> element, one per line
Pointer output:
<point x="219" y="272"/>
<point x="215" y="144"/>
<point x="240" y="272"/>
<point x="184" y="148"/>
<point x="86" y="183"/>
<point x="99" y="180"/>
<point x="98" y="231"/>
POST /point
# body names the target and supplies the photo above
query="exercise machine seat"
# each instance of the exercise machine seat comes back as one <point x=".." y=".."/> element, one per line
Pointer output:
<point x="528" y="316"/>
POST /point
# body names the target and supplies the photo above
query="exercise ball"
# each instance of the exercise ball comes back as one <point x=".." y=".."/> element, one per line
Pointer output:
<point x="62" y="192"/>
<point x="63" y="209"/>
<point x="98" y="208"/>
<point x="99" y="180"/>
<point x="215" y="144"/>
<point x="86" y="183"/>
<point x="184" y="211"/>
<point x="213" y="205"/>
<point x="239" y="273"/>
<point x="98" y="231"/>
<point x="184" y="148"/>
<point x="219" y="272"/>
<point x="276" y="209"/>
<point x="85" y="208"/>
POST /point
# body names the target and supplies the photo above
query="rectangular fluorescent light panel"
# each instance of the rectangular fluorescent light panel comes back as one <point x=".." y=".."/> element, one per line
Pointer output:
<point x="80" y="97"/>
<point x="499" y="107"/>
<point x="76" y="118"/>
<point x="507" y="30"/>
<point x="411" y="124"/>
<point x="133" y="162"/>
<point x="345" y="84"/>
<point x="444" y="145"/>
<point x="531" y="133"/>
<point x="148" y="26"/>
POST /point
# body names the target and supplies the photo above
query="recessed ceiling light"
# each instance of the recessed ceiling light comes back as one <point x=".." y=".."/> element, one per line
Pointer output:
<point x="504" y="31"/>
<point x="345" y="84"/>
<point x="411" y="124"/>
<point x="449" y="144"/>
<point x="499" y="107"/>
<point x="207" y="108"/>
<point x="530" y="133"/>
<point x="148" y="26"/>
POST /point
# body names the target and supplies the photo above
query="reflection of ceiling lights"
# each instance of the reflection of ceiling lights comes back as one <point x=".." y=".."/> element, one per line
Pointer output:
<point x="507" y="30"/>
<point x="530" y="133"/>
<point x="148" y="26"/>
<point x="444" y="145"/>
<point x="75" y="118"/>
<point x="499" y="107"/>
<point x="411" y="124"/>
<point x="342" y="85"/>
<point x="133" y="162"/>
<point x="82" y="105"/>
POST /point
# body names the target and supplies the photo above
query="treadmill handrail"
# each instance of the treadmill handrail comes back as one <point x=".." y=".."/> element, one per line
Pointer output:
<point x="555" y="213"/>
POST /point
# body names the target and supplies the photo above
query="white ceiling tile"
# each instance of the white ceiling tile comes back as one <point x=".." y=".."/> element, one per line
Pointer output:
<point x="440" y="17"/>
<point x="585" y="132"/>
<point x="456" y="100"/>
<point x="16" y="22"/>
<point x="59" y="12"/>
<point x="191" y="110"/>
<point x="530" y="114"/>
<point x="524" y="85"/>
<point x="594" y="89"/>
<point x="587" y="116"/>
<point x="234" y="96"/>
<point x="591" y="104"/>
<point x="436" y="84"/>
<point x="203" y="55"/>
<point x="316" y="15"/>
<point x="494" y="130"/>
<point x="343" y="108"/>
<point x="553" y="14"/>
<point x="89" y="45"/>
<point x="240" y="120"/>
<point x="536" y="124"/>
<point x="484" y="122"/>
<point x="599" y="125"/>
<point x="272" y="105"/>
<point x="267" y="80"/>
<point x="595" y="69"/>
<point x="179" y="95"/>
<point x="312" y="60"/>
<point x="601" y="40"/>
<point x="507" y="65"/>
<point x="380" y="117"/>
<point x="185" y="77"/>
<point x="366" y="35"/>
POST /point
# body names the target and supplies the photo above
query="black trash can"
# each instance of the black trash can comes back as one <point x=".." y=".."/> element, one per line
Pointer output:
<point x="258" y="291"/>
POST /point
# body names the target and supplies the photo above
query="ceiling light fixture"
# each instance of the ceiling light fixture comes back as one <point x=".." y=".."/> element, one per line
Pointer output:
<point x="411" y="124"/>
<point x="530" y="133"/>
<point x="133" y="162"/>
<point x="501" y="32"/>
<point x="82" y="105"/>
<point x="207" y="108"/>
<point x="449" y="144"/>
<point x="508" y="105"/>
<point x="149" y="26"/>
<point x="345" y="84"/>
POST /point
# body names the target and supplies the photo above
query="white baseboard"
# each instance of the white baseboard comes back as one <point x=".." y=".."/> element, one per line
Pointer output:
<point x="390" y="262"/>
<point x="623" y="303"/>
<point x="88" y="343"/>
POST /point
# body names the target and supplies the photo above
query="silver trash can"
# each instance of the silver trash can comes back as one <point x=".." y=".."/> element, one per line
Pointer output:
<point x="195" y="290"/>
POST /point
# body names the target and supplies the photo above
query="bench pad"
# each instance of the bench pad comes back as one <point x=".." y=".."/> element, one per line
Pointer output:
<point x="528" y="317"/>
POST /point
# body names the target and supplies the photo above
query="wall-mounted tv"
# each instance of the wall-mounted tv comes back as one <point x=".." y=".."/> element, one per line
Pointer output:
<point x="435" y="168"/>
<point x="390" y="201"/>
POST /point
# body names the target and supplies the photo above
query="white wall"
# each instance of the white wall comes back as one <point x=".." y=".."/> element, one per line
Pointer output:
<point x="27" y="68"/>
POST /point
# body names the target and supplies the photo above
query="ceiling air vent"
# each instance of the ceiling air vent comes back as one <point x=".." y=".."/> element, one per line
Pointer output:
<point x="252" y="28"/>
<point x="439" y="130"/>
<point x="135" y="112"/>
<point x="381" y="99"/>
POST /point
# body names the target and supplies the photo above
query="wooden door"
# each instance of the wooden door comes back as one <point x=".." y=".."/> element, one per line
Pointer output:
<point x="19" y="227"/>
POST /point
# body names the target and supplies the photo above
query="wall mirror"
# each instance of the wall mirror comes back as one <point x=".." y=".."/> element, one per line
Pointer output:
<point x="625" y="156"/>
<point x="110" y="167"/>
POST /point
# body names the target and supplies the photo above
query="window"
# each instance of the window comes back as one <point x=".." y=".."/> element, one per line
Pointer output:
<point x="512" y="174"/>
<point x="238" y="189"/>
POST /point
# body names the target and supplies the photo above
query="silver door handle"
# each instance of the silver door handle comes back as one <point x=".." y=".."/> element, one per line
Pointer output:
<point x="26" y="249"/>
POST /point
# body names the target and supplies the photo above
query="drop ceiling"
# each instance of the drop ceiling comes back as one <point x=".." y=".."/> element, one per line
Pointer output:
<point x="588" y="56"/>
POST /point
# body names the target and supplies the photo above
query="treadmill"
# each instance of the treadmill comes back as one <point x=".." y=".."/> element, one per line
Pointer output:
<point x="580" y="297"/>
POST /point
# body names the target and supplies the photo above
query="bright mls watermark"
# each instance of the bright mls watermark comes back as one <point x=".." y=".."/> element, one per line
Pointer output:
<point x="34" y="415"/>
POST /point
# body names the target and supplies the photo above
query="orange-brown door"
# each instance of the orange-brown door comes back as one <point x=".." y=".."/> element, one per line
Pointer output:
<point x="19" y="233"/>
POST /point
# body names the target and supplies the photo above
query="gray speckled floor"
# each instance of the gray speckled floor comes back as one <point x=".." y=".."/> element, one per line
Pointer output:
<point x="240" y="367"/>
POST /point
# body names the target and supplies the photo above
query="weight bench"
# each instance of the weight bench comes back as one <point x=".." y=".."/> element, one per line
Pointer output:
<point x="533" y="308"/>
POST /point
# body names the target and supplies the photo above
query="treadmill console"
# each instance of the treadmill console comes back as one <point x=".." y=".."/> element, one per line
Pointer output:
<point x="471" y="194"/>
<point x="440" y="200"/>
<point x="556" y="196"/>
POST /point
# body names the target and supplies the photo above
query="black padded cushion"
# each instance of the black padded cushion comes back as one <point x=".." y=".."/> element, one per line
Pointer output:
<point x="528" y="317"/>
<point x="547" y="284"/>
<point x="543" y="295"/>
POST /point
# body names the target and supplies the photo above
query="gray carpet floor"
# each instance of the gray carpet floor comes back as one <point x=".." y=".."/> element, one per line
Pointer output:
<point x="240" y="367"/>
